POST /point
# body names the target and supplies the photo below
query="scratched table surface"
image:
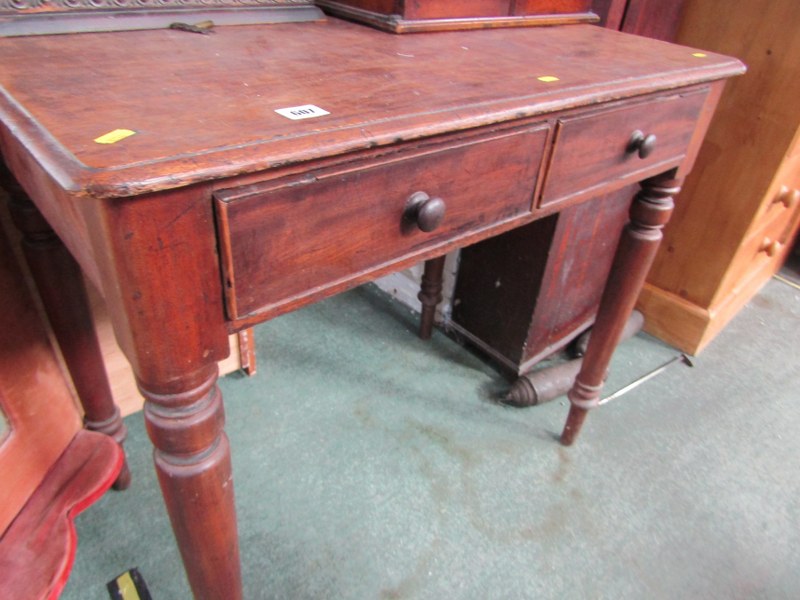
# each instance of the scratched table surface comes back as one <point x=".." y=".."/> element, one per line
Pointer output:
<point x="203" y="106"/>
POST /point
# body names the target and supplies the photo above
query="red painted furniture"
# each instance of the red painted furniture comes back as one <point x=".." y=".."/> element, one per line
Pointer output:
<point x="50" y="469"/>
<point x="211" y="212"/>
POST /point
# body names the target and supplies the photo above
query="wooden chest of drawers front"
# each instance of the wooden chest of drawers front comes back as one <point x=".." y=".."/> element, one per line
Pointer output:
<point x="284" y="239"/>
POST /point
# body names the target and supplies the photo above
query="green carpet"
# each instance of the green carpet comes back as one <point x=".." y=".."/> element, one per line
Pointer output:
<point x="370" y="464"/>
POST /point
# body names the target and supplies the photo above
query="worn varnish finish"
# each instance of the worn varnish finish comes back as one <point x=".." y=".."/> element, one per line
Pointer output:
<point x="581" y="144"/>
<point x="407" y="115"/>
<point x="286" y="238"/>
<point x="244" y="73"/>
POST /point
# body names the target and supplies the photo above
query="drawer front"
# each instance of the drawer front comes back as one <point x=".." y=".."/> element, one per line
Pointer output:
<point x="593" y="151"/>
<point x="285" y="239"/>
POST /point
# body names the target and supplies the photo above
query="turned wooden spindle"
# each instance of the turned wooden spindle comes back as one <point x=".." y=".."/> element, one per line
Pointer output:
<point x="430" y="294"/>
<point x="60" y="285"/>
<point x="168" y="318"/>
<point x="650" y="211"/>
<point x="185" y="420"/>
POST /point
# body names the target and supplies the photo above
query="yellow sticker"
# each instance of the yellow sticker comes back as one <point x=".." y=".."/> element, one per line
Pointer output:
<point x="699" y="54"/>
<point x="112" y="137"/>
<point x="547" y="78"/>
<point x="127" y="587"/>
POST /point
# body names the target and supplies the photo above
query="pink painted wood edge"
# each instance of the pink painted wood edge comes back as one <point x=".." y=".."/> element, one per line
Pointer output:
<point x="38" y="549"/>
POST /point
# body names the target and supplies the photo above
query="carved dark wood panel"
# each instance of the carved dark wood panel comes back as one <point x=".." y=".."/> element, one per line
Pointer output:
<point x="16" y="7"/>
<point x="34" y="17"/>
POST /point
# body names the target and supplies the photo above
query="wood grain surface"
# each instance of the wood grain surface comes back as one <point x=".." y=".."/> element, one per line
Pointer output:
<point x="203" y="107"/>
<point x="289" y="237"/>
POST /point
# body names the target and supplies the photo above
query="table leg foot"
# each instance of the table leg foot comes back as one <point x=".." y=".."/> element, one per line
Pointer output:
<point x="572" y="427"/>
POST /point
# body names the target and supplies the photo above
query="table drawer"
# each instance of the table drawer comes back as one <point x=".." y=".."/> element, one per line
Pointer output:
<point x="594" y="150"/>
<point x="287" y="239"/>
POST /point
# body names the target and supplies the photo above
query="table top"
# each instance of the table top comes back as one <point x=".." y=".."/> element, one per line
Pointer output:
<point x="203" y="106"/>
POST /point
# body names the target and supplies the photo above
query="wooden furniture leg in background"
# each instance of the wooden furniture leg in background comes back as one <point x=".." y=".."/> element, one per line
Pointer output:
<point x="60" y="284"/>
<point x="430" y="294"/>
<point x="650" y="211"/>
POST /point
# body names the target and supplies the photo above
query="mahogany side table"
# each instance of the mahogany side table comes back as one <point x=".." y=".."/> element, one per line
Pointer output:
<point x="206" y="183"/>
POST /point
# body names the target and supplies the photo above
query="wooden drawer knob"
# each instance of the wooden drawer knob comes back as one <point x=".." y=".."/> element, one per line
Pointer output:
<point x="770" y="247"/>
<point x="788" y="197"/>
<point x="642" y="144"/>
<point x="426" y="212"/>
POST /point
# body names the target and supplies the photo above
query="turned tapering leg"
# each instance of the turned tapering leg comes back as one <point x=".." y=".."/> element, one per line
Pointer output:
<point x="60" y="284"/>
<point x="430" y="294"/>
<point x="192" y="456"/>
<point x="650" y="211"/>
<point x="157" y="255"/>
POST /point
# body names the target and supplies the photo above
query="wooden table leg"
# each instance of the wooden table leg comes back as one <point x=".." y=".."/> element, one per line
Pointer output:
<point x="192" y="456"/>
<point x="158" y="255"/>
<point x="430" y="294"/>
<point x="60" y="284"/>
<point x="650" y="211"/>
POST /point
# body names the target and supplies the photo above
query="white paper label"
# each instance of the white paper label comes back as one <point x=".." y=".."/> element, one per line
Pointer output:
<point x="306" y="111"/>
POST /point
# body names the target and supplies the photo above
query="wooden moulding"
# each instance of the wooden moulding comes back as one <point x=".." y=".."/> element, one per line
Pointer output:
<point x="39" y="17"/>
<point x="415" y="17"/>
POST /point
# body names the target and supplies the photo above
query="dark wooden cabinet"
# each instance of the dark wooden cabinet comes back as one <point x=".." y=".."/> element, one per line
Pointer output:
<point x="523" y="295"/>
